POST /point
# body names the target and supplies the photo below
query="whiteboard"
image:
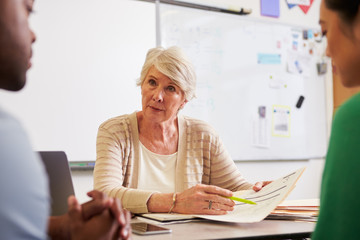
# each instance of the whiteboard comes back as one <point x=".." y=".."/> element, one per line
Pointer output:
<point x="86" y="60"/>
<point x="251" y="74"/>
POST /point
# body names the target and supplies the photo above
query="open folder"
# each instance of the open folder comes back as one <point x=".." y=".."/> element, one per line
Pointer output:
<point x="267" y="199"/>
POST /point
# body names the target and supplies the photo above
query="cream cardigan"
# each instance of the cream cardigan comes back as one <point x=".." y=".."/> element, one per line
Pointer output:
<point x="202" y="158"/>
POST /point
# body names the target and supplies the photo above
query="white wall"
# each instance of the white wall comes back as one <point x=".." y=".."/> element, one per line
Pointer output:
<point x="87" y="57"/>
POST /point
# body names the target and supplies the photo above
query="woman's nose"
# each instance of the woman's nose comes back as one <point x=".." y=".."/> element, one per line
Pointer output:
<point x="158" y="95"/>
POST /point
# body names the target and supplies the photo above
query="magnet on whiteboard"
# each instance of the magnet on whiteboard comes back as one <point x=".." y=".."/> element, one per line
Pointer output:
<point x="300" y="101"/>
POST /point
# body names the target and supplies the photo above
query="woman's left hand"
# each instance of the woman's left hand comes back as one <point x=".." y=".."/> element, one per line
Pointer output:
<point x="259" y="185"/>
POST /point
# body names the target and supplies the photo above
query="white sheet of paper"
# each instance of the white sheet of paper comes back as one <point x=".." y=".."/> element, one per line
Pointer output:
<point x="267" y="199"/>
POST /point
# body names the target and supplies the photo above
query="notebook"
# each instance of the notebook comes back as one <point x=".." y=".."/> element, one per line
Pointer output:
<point x="60" y="182"/>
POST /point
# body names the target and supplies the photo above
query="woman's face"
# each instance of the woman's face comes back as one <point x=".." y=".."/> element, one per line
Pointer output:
<point x="161" y="98"/>
<point x="343" y="45"/>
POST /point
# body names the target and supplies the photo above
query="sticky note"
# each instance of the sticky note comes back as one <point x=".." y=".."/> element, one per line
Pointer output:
<point x="270" y="8"/>
<point x="264" y="58"/>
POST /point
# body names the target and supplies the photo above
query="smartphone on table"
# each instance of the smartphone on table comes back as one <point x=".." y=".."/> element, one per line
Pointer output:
<point x="143" y="228"/>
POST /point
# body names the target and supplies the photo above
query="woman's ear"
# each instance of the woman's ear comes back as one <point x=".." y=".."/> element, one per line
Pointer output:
<point x="183" y="104"/>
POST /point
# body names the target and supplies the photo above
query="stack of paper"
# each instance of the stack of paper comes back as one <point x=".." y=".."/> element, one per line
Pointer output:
<point x="298" y="210"/>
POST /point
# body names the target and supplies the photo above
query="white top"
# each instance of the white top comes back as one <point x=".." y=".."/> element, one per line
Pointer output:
<point x="157" y="172"/>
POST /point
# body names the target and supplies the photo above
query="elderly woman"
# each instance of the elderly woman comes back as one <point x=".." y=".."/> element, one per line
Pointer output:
<point x="157" y="161"/>
<point x="340" y="192"/>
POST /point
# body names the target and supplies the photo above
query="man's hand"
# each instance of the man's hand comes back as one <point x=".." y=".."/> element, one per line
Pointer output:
<point x="100" y="226"/>
<point x="100" y="218"/>
<point x="101" y="202"/>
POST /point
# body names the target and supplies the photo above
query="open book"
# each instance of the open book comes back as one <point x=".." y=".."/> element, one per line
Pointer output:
<point x="267" y="199"/>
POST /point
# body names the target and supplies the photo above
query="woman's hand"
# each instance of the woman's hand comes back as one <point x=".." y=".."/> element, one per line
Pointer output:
<point x="259" y="185"/>
<point x="204" y="199"/>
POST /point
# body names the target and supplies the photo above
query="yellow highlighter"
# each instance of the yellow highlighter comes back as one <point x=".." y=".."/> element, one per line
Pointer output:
<point x="242" y="200"/>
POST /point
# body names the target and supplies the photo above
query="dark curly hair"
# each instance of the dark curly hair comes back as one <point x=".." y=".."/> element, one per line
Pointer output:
<point x="347" y="9"/>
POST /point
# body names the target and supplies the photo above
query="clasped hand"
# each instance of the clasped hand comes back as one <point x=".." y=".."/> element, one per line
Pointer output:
<point x="100" y="218"/>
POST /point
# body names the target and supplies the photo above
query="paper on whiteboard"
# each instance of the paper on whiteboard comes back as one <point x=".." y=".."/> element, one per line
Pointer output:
<point x="281" y="116"/>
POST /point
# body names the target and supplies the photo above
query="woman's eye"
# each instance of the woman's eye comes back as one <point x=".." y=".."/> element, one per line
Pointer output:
<point x="171" y="88"/>
<point x="323" y="33"/>
<point x="29" y="7"/>
<point x="30" y="10"/>
<point x="152" y="82"/>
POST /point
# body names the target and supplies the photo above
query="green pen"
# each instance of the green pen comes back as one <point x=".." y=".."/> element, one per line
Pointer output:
<point x="242" y="200"/>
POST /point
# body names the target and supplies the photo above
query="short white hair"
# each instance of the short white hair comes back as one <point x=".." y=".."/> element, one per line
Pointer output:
<point x="173" y="63"/>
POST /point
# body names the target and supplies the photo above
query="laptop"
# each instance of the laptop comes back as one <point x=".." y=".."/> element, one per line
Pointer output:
<point x="60" y="182"/>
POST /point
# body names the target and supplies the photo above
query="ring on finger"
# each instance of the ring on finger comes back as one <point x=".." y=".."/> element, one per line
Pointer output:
<point x="210" y="203"/>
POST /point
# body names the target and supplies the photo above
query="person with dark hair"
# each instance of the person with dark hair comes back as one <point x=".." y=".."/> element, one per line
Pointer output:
<point x="24" y="198"/>
<point x="340" y="194"/>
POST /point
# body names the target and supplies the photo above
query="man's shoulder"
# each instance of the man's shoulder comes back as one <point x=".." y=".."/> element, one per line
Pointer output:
<point x="5" y="116"/>
<point x="9" y="125"/>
